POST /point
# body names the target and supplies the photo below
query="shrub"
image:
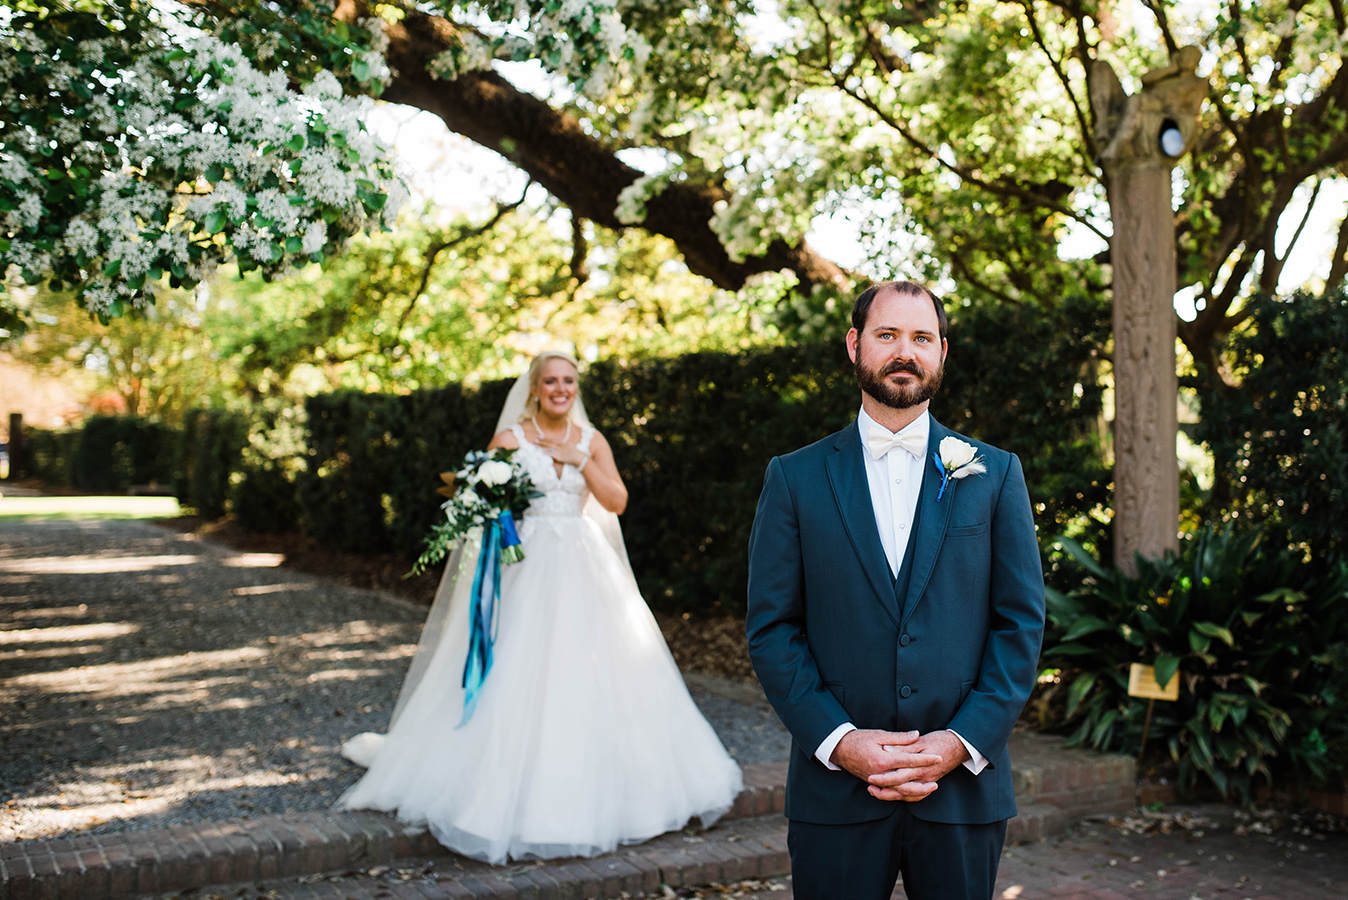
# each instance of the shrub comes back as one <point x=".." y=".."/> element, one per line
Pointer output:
<point x="49" y="455"/>
<point x="209" y="452"/>
<point x="1257" y="638"/>
<point x="1280" y="441"/>
<point x="114" y="453"/>
<point x="262" y="494"/>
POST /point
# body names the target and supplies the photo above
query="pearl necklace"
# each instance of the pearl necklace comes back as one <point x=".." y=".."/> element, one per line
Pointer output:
<point x="539" y="431"/>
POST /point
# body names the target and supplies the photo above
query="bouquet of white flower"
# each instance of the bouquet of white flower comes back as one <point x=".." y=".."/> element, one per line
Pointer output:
<point x="487" y="490"/>
<point x="491" y="492"/>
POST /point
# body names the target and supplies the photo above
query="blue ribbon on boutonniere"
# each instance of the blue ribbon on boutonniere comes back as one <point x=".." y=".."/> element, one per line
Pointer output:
<point x="945" y="476"/>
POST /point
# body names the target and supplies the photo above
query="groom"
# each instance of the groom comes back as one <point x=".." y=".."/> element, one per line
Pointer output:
<point x="895" y="616"/>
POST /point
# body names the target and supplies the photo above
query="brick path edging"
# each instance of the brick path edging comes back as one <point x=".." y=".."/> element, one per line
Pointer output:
<point x="124" y="864"/>
<point x="1054" y="788"/>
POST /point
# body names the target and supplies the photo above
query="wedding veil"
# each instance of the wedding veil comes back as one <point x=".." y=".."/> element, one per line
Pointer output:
<point x="451" y="598"/>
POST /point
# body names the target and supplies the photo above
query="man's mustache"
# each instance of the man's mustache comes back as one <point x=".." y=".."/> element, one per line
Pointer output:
<point x="911" y="368"/>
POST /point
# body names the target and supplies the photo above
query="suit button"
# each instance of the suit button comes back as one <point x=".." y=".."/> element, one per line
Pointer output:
<point x="905" y="640"/>
<point x="905" y="692"/>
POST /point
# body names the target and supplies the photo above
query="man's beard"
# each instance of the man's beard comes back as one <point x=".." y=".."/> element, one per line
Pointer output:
<point x="902" y="396"/>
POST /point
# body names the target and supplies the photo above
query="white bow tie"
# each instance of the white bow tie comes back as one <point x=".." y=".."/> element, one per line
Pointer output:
<point x="879" y="441"/>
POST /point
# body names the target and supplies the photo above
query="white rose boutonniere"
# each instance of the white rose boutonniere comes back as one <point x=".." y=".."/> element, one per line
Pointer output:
<point x="956" y="459"/>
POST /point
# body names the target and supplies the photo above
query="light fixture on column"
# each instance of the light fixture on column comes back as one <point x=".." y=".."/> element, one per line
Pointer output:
<point x="1171" y="139"/>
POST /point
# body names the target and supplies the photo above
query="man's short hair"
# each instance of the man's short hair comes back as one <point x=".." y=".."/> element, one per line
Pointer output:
<point x="861" y="309"/>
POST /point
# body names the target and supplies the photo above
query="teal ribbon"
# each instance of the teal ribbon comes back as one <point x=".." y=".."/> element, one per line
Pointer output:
<point x="945" y="476"/>
<point x="482" y="617"/>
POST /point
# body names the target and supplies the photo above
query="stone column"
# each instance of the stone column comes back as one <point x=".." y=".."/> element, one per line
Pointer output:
<point x="1142" y="137"/>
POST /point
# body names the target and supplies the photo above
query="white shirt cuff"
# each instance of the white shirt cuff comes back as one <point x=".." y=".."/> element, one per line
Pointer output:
<point x="825" y="752"/>
<point x="976" y="762"/>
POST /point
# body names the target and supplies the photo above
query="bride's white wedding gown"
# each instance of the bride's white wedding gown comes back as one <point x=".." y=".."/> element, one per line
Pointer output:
<point x="584" y="735"/>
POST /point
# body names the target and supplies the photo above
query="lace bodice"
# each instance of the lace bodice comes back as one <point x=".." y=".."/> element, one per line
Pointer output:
<point x="562" y="496"/>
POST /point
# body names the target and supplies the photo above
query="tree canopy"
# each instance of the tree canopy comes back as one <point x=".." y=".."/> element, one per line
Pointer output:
<point x="154" y="140"/>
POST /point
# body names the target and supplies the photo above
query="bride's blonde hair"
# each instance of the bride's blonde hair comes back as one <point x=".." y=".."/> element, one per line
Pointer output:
<point x="536" y="372"/>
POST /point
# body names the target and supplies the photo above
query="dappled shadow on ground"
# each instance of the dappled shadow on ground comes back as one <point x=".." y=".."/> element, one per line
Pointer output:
<point x="167" y="680"/>
<point x="714" y="646"/>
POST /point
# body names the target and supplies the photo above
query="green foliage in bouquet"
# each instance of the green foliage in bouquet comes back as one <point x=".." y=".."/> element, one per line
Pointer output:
<point x="490" y="487"/>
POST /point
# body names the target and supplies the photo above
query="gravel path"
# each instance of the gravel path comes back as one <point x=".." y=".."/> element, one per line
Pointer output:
<point x="149" y="678"/>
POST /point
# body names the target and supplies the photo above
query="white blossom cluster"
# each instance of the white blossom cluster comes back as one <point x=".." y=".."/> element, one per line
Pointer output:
<point x="181" y="158"/>
<point x="584" y="41"/>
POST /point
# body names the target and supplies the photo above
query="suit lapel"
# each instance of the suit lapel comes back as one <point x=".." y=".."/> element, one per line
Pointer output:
<point x="933" y="518"/>
<point x="847" y="477"/>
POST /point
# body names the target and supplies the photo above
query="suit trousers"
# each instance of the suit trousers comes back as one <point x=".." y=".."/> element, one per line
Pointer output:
<point x="863" y="861"/>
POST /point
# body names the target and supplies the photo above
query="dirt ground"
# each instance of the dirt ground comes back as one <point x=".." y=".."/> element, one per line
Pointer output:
<point x="714" y="646"/>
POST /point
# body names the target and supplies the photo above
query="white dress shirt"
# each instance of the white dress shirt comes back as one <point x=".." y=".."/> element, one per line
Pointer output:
<point x="895" y="481"/>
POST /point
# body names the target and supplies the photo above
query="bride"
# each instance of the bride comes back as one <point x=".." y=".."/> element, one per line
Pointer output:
<point x="583" y="735"/>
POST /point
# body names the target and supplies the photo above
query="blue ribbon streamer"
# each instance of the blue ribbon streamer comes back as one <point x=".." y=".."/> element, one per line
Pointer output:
<point x="945" y="476"/>
<point x="511" y="551"/>
<point x="482" y="617"/>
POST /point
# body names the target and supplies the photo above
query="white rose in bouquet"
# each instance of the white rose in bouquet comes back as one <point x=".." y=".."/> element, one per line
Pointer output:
<point x="494" y="473"/>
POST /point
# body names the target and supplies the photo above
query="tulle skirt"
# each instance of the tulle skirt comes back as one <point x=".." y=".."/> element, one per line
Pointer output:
<point x="584" y="735"/>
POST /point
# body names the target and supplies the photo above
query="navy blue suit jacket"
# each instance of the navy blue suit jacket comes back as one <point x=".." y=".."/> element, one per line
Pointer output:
<point x="832" y="642"/>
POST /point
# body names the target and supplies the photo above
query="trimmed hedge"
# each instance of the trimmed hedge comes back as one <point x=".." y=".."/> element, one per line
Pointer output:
<point x="209" y="452"/>
<point x="49" y="455"/>
<point x="109" y="454"/>
<point x="692" y="436"/>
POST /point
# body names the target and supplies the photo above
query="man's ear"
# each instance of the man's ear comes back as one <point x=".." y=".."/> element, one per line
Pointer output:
<point x="945" y="348"/>
<point x="853" y="337"/>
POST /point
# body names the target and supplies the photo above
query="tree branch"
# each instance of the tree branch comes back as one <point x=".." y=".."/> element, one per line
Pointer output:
<point x="435" y="249"/>
<point x="556" y="151"/>
<point x="1338" y="265"/>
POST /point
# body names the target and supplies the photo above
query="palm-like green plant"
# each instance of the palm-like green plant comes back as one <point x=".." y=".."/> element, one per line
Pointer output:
<point x="1258" y="640"/>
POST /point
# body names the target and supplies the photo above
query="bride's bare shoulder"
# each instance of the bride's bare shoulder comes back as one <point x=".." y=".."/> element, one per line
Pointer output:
<point x="505" y="439"/>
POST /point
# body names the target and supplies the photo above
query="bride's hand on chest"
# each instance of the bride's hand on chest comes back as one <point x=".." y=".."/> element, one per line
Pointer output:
<point x="566" y="453"/>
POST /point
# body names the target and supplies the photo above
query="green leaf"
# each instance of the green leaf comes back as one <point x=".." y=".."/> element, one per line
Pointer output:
<point x="1282" y="595"/>
<point x="215" y="222"/>
<point x="113" y="268"/>
<point x="1216" y="631"/>
<point x="1070" y="649"/>
<point x="1081" y="686"/>
<point x="1086" y="625"/>
<point x="1073" y="549"/>
<point x="294" y="244"/>
<point x="1166" y="666"/>
<point x="215" y="172"/>
<point x="360" y="69"/>
<point x="296" y="143"/>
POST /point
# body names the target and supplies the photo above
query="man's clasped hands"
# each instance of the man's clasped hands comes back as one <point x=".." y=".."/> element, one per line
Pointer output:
<point x="899" y="765"/>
